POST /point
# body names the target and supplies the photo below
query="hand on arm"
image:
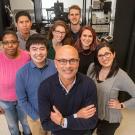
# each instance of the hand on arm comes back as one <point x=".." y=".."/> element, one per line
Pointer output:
<point x="86" y="119"/>
<point x="86" y="112"/>
<point x="56" y="116"/>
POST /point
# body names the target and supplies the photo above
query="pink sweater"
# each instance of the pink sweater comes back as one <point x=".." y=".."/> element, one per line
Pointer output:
<point x="8" y="69"/>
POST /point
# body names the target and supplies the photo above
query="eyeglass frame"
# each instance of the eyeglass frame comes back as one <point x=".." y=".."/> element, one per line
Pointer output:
<point x="70" y="61"/>
<point x="59" y="32"/>
<point x="106" y="55"/>
<point x="12" y="42"/>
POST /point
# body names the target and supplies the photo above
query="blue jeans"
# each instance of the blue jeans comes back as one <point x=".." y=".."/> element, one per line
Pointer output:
<point x="14" y="114"/>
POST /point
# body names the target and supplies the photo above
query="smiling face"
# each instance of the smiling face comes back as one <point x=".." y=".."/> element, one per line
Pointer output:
<point x="38" y="53"/>
<point x="86" y="39"/>
<point x="74" y="16"/>
<point x="10" y="45"/>
<point x="67" y="62"/>
<point x="105" y="57"/>
<point x="59" y="33"/>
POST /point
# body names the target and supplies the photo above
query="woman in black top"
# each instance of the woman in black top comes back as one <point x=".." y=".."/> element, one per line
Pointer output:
<point x="86" y="44"/>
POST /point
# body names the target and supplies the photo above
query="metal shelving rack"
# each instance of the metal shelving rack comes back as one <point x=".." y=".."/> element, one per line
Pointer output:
<point x="101" y="16"/>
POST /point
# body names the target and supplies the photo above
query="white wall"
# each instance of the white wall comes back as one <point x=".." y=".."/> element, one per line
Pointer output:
<point x="17" y="5"/>
<point x="21" y="4"/>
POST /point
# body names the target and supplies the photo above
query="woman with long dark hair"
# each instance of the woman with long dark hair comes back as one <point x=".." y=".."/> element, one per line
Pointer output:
<point x="110" y="79"/>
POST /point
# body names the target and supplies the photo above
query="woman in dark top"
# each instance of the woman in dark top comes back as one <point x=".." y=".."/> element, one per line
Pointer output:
<point x="58" y="35"/>
<point x="86" y="44"/>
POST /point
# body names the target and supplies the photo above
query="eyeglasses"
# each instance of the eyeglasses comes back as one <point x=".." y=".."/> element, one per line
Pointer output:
<point x="59" y="32"/>
<point x="106" y="55"/>
<point x="71" y="61"/>
<point x="9" y="42"/>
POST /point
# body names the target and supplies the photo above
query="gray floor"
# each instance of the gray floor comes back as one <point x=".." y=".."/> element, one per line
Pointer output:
<point x="127" y="126"/>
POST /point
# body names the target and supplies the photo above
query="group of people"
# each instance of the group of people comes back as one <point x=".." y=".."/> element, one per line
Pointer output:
<point x="66" y="85"/>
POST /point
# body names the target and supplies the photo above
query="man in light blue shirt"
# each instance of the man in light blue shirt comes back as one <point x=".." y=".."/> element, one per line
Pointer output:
<point x="29" y="78"/>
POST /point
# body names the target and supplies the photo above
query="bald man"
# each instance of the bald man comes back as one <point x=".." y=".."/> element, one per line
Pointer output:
<point x="68" y="100"/>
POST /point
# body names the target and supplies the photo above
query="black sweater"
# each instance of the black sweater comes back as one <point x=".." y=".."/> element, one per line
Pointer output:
<point x="51" y="93"/>
<point x="86" y="58"/>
